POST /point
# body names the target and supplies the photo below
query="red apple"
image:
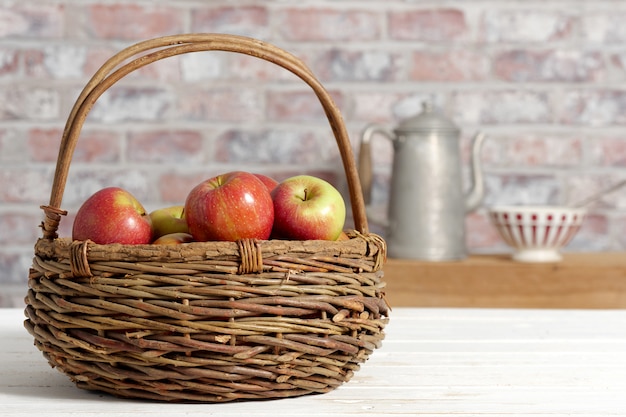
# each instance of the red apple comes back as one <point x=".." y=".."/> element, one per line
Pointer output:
<point x="168" y="220"/>
<point x="269" y="182"/>
<point x="232" y="206"/>
<point x="307" y="208"/>
<point x="173" y="239"/>
<point x="112" y="215"/>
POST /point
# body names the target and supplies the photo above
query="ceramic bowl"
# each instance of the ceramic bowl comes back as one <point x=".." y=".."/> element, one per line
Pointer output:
<point x="537" y="233"/>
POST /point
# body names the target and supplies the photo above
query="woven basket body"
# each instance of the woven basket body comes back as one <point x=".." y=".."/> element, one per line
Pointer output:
<point x="206" y="321"/>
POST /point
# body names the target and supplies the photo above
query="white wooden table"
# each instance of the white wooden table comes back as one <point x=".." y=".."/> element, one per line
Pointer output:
<point x="461" y="362"/>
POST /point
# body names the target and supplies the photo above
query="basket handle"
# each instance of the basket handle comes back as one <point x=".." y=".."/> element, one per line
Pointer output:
<point x="147" y="52"/>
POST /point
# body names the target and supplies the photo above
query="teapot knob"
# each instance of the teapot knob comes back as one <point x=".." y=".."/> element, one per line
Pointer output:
<point x="429" y="120"/>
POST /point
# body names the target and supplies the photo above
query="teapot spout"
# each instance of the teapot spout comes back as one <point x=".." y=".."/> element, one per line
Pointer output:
<point x="477" y="192"/>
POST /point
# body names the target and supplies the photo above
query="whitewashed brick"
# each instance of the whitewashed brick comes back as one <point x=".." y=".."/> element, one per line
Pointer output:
<point x="35" y="104"/>
<point x="608" y="151"/>
<point x="166" y="146"/>
<point x="341" y="65"/>
<point x="14" y="270"/>
<point x="201" y="66"/>
<point x="501" y="106"/>
<point x="424" y="24"/>
<point x="65" y="61"/>
<point x="522" y="189"/>
<point x="538" y="150"/>
<point x="12" y="148"/>
<point x="605" y="26"/>
<point x="41" y="104"/>
<point x="275" y="147"/>
<point x="8" y="62"/>
<point x="19" y="228"/>
<point x="247" y="20"/>
<point x="30" y="20"/>
<point x="220" y="104"/>
<point x="84" y="181"/>
<point x="328" y="24"/>
<point x="525" y="25"/>
<point x="24" y="184"/>
<point x="580" y="187"/>
<point x="550" y="65"/>
<point x="131" y="104"/>
<point x="595" y="107"/>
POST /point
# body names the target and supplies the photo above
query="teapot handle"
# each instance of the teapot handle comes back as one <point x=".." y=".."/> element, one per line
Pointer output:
<point x="476" y="194"/>
<point x="365" y="168"/>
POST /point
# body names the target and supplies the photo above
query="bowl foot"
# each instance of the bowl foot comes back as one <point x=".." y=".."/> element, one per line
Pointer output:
<point x="537" y="255"/>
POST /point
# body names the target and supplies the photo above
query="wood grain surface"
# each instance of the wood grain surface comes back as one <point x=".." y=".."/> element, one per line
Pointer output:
<point x="434" y="362"/>
<point x="581" y="280"/>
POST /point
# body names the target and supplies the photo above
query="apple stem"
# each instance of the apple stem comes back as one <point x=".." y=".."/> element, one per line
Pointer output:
<point x="306" y="192"/>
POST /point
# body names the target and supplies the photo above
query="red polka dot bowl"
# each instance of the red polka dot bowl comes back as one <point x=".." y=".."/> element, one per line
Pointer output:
<point x="537" y="233"/>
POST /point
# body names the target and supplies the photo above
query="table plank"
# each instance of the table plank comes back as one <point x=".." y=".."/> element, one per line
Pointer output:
<point x="466" y="362"/>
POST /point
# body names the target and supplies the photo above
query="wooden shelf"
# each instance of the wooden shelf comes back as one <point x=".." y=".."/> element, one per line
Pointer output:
<point x="581" y="280"/>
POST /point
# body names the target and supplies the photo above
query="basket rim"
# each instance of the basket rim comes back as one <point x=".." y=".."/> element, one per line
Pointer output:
<point x="242" y="257"/>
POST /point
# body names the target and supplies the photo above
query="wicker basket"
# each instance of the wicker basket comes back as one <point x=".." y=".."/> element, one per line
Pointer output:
<point x="206" y="321"/>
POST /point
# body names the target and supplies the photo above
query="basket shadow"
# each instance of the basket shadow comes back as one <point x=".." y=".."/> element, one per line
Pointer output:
<point x="24" y="372"/>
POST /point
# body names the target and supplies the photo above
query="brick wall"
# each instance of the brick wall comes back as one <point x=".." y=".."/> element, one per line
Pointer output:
<point x="544" y="79"/>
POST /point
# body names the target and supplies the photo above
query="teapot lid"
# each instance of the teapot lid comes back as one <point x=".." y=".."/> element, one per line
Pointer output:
<point x="429" y="120"/>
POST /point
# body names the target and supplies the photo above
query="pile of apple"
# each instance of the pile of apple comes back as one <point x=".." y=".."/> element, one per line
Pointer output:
<point x="228" y="207"/>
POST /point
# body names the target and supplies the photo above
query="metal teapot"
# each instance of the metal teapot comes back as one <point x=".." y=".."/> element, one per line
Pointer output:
<point x="427" y="204"/>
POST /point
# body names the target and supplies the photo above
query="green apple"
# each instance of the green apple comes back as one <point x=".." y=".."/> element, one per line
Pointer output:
<point x="168" y="220"/>
<point x="307" y="208"/>
<point x="174" y="239"/>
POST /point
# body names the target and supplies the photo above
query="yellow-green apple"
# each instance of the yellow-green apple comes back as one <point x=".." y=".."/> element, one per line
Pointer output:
<point x="168" y="220"/>
<point x="173" y="239"/>
<point x="112" y="215"/>
<point x="269" y="182"/>
<point x="307" y="208"/>
<point x="229" y="207"/>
